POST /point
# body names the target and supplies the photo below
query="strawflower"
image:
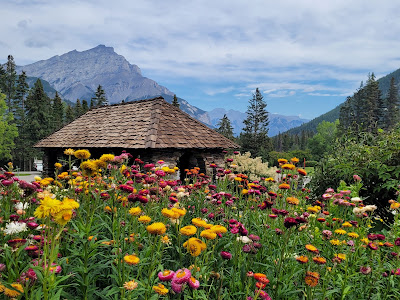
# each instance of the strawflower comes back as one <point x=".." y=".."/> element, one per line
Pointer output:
<point x="156" y="228"/>
<point x="131" y="259"/>
<point x="160" y="289"/>
<point x="130" y="285"/>
<point x="188" y="230"/>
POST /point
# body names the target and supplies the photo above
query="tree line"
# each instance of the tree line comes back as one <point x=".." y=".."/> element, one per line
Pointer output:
<point x="29" y="114"/>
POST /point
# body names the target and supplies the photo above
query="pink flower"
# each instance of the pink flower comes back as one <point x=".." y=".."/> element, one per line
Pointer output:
<point x="181" y="276"/>
<point x="176" y="287"/>
<point x="193" y="283"/>
<point x="166" y="275"/>
<point x="226" y="255"/>
<point x="365" y="270"/>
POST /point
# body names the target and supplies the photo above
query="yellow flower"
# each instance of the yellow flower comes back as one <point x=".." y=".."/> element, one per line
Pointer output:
<point x="365" y="241"/>
<point x="131" y="259"/>
<point x="208" y="234"/>
<point x="89" y="167"/>
<point x="165" y="240"/>
<point x="106" y="157"/>
<point x="311" y="248"/>
<point x="288" y="167"/>
<point x="353" y="235"/>
<point x="340" y="231"/>
<point x="188" y="230"/>
<point x="69" y="151"/>
<point x="314" y="209"/>
<point x="169" y="213"/>
<point x="63" y="216"/>
<point x="335" y="242"/>
<point x="294" y="160"/>
<point x="269" y="179"/>
<point x="130" y="285"/>
<point x="160" y="289"/>
<point x="245" y="192"/>
<point x="347" y="225"/>
<point x="341" y="256"/>
<point x="282" y="161"/>
<point x="69" y="203"/>
<point x="135" y="211"/>
<point x="58" y="165"/>
<point x="180" y="211"/>
<point x="47" y="206"/>
<point x="195" y="246"/>
<point x="15" y="292"/>
<point x="292" y="200"/>
<point x="144" y="219"/>
<point x="218" y="229"/>
<point x="199" y="222"/>
<point x="156" y="228"/>
<point x="82" y="154"/>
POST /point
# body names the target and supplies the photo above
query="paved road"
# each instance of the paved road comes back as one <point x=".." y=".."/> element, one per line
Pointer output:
<point x="30" y="177"/>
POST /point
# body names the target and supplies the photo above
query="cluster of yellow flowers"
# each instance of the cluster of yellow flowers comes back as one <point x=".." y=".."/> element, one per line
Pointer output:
<point x="61" y="211"/>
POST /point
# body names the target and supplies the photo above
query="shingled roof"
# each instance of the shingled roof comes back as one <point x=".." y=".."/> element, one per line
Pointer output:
<point x="152" y="123"/>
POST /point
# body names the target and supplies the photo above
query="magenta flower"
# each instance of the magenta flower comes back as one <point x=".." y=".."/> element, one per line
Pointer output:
<point x="181" y="276"/>
<point x="290" y="222"/>
<point x="176" y="287"/>
<point x="193" y="283"/>
<point x="365" y="270"/>
<point x="166" y="275"/>
<point x="226" y="255"/>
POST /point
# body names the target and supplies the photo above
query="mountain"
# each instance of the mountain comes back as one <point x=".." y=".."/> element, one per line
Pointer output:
<point x="277" y="123"/>
<point x="76" y="75"/>
<point x="333" y="115"/>
<point x="48" y="89"/>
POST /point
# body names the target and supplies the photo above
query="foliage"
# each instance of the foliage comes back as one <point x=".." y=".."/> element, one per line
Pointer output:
<point x="100" y="98"/>
<point x="376" y="158"/>
<point x="255" y="133"/>
<point x="175" y="102"/>
<point x="323" y="141"/>
<point x="255" y="168"/>
<point x="8" y="131"/>
<point x="225" y="128"/>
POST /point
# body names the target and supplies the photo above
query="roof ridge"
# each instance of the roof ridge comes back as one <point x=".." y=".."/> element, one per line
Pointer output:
<point x="129" y="102"/>
<point x="152" y="131"/>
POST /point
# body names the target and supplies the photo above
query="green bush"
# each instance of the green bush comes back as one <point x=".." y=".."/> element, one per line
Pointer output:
<point x="311" y="163"/>
<point x="375" y="158"/>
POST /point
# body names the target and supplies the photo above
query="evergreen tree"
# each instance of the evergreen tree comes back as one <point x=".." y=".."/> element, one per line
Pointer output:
<point x="78" y="109"/>
<point x="85" y="106"/>
<point x="92" y="103"/>
<point x="8" y="131"/>
<point x="38" y="117"/>
<point x="255" y="132"/>
<point x="10" y="79"/>
<point x="20" y="95"/>
<point x="175" y="102"/>
<point x="393" y="105"/>
<point x="100" y="98"/>
<point x="69" y="115"/>
<point x="225" y="128"/>
<point x="2" y="78"/>
<point x="58" y="112"/>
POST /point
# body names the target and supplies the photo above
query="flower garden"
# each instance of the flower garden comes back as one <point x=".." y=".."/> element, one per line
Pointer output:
<point x="121" y="228"/>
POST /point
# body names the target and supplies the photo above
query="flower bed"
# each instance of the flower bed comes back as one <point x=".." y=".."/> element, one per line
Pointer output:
<point x="123" y="229"/>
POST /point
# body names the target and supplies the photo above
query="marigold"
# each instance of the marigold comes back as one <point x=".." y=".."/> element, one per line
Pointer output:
<point x="144" y="219"/>
<point x="82" y="154"/>
<point x="131" y="259"/>
<point x="130" y="285"/>
<point x="47" y="206"/>
<point x="156" y="228"/>
<point x="312" y="248"/>
<point x="160" y="289"/>
<point x="292" y="200"/>
<point x="302" y="259"/>
<point x="188" y="230"/>
<point x="208" y="234"/>
<point x="135" y="211"/>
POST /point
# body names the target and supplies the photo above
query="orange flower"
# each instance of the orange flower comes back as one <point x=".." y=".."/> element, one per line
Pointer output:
<point x="292" y="200"/>
<point x="294" y="160"/>
<point x="319" y="260"/>
<point x="302" y="259"/>
<point x="302" y="172"/>
<point x="312" y="248"/>
<point x="282" y="161"/>
<point x="284" y="186"/>
<point x="288" y="167"/>
<point x="311" y="278"/>
<point x="131" y="259"/>
<point x="259" y="276"/>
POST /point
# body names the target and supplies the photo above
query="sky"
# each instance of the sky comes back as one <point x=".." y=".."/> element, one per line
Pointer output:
<point x="305" y="57"/>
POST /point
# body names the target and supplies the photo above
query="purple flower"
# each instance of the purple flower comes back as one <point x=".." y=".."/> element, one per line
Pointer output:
<point x="226" y="255"/>
<point x="290" y="222"/>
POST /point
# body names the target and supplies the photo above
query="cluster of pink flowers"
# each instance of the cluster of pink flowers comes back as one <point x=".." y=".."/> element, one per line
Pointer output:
<point x="179" y="279"/>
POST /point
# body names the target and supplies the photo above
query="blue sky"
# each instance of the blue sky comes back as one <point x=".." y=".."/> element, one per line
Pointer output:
<point x="305" y="56"/>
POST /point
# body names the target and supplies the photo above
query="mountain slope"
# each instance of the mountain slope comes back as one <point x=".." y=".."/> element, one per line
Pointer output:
<point x="76" y="75"/>
<point x="332" y="115"/>
<point x="277" y="123"/>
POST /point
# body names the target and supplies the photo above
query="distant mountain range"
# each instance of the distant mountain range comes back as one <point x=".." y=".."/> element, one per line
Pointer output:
<point x="277" y="123"/>
<point x="76" y="75"/>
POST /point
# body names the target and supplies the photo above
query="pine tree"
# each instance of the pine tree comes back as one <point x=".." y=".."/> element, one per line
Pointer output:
<point x="21" y="93"/>
<point x="69" y="115"/>
<point x="225" y="128"/>
<point x="38" y="117"/>
<point x="100" y="98"/>
<point x="85" y="106"/>
<point x="92" y="104"/>
<point x="8" y="131"/>
<point x="78" y="109"/>
<point x="175" y="102"/>
<point x="58" y="112"/>
<point x="393" y="105"/>
<point x="10" y="79"/>
<point x="255" y="132"/>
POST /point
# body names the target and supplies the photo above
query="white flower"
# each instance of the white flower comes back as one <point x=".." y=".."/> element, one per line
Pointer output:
<point x="15" y="227"/>
<point x="244" y="239"/>
<point x="21" y="206"/>
<point x="356" y="199"/>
